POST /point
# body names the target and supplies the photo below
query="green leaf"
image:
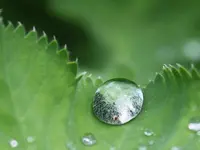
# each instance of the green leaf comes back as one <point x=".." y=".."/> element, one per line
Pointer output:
<point x="171" y="100"/>
<point x="36" y="85"/>
<point x="41" y="98"/>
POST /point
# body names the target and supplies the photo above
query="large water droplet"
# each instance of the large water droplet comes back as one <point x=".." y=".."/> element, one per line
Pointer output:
<point x="148" y="132"/>
<point x="89" y="139"/>
<point x="117" y="101"/>
<point x="194" y="124"/>
<point x="13" y="143"/>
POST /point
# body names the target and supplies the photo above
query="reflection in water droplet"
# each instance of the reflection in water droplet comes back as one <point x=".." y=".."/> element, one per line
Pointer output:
<point x="148" y="132"/>
<point x="151" y="142"/>
<point x="89" y="139"/>
<point x="194" y="124"/>
<point x="142" y="148"/>
<point x="30" y="139"/>
<point x="175" y="148"/>
<point x="13" y="143"/>
<point x="117" y="101"/>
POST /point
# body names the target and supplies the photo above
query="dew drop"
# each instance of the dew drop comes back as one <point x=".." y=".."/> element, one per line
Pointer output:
<point x="117" y="101"/>
<point x="89" y="139"/>
<point x="70" y="146"/>
<point x="148" y="132"/>
<point x="194" y="124"/>
<point x="30" y="139"/>
<point x="142" y="148"/>
<point x="112" y="148"/>
<point x="175" y="148"/>
<point x="151" y="142"/>
<point x="13" y="143"/>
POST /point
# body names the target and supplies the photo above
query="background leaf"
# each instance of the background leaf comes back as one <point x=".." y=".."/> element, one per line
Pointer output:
<point x="130" y="38"/>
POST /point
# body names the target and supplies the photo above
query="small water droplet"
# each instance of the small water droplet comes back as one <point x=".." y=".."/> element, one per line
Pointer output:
<point x="13" y="143"/>
<point x="70" y="146"/>
<point x="194" y="124"/>
<point x="142" y="148"/>
<point x="112" y="148"/>
<point x="148" y="132"/>
<point x="117" y="101"/>
<point x="89" y="139"/>
<point x="151" y="142"/>
<point x="30" y="139"/>
<point x="175" y="148"/>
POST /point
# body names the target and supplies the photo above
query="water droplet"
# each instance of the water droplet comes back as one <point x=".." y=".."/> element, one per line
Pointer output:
<point x="142" y="148"/>
<point x="117" y="101"/>
<point x="175" y="148"/>
<point x="30" y="139"/>
<point x="194" y="124"/>
<point x="148" y="132"/>
<point x="13" y="143"/>
<point x="151" y="142"/>
<point x="112" y="148"/>
<point x="70" y="146"/>
<point x="89" y="139"/>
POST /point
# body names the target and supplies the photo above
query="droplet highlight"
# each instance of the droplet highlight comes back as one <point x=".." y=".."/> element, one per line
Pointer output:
<point x="13" y="143"/>
<point x="117" y="101"/>
<point x="148" y="132"/>
<point x="89" y="139"/>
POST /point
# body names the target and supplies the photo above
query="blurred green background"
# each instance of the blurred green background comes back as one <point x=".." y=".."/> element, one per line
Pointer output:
<point x="129" y="38"/>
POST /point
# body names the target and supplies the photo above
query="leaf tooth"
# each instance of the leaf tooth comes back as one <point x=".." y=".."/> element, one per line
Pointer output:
<point x="63" y="54"/>
<point x="53" y="45"/>
<point x="20" y="29"/>
<point x="43" y="40"/>
<point x="150" y="85"/>
<point x="10" y="27"/>
<point x="194" y="72"/>
<point x="167" y="74"/>
<point x="73" y="67"/>
<point x="184" y="73"/>
<point x="88" y="80"/>
<point x="175" y="72"/>
<point x="79" y="77"/>
<point x="159" y="78"/>
<point x="98" y="81"/>
<point x="32" y="35"/>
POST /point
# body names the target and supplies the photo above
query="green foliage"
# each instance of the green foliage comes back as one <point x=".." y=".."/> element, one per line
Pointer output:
<point x="42" y="96"/>
<point x="37" y="80"/>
